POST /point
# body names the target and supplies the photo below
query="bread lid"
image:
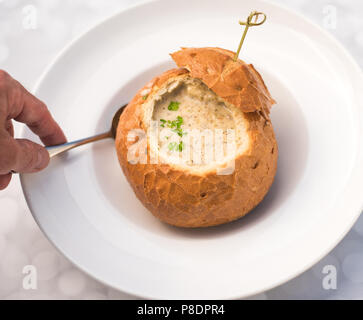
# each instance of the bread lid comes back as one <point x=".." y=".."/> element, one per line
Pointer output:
<point x="236" y="82"/>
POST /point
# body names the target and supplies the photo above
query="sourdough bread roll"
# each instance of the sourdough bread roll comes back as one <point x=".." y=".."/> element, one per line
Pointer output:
<point x="208" y="94"/>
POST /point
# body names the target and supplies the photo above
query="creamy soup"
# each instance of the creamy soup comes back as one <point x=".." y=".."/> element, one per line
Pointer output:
<point x="188" y="105"/>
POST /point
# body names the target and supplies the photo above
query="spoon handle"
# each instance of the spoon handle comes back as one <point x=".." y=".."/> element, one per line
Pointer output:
<point x="54" y="150"/>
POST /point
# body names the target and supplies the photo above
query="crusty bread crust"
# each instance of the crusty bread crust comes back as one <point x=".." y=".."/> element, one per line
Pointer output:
<point x="183" y="199"/>
<point x="235" y="81"/>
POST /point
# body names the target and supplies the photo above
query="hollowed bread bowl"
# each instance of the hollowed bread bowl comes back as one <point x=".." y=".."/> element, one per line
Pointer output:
<point x="208" y="91"/>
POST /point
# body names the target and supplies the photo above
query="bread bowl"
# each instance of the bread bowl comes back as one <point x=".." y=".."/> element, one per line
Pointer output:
<point x="208" y="90"/>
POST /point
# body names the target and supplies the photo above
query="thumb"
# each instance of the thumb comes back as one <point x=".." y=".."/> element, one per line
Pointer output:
<point x="29" y="156"/>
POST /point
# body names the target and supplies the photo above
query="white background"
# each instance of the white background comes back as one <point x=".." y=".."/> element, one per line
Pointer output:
<point x="31" y="34"/>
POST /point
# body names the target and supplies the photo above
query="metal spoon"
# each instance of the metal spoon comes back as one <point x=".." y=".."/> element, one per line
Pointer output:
<point x="58" y="149"/>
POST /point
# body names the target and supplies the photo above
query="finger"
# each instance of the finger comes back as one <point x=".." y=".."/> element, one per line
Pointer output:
<point x="37" y="117"/>
<point x="31" y="157"/>
<point x="24" y="107"/>
<point x="5" y="180"/>
<point x="9" y="127"/>
<point x="22" y="156"/>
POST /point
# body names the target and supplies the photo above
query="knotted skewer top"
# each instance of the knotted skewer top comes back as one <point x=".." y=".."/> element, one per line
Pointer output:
<point x="249" y="23"/>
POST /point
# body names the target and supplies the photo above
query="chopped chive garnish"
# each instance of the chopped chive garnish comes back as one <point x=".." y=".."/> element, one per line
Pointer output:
<point x="180" y="121"/>
<point x="145" y="97"/>
<point x="181" y="146"/>
<point x="179" y="131"/>
<point x="175" y="123"/>
<point x="175" y="126"/>
<point x="172" y="146"/>
<point x="173" y="106"/>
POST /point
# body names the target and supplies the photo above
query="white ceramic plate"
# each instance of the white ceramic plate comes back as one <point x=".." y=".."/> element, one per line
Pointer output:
<point x="85" y="206"/>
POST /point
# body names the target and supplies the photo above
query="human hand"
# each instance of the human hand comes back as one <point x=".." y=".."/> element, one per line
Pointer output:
<point x="21" y="155"/>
